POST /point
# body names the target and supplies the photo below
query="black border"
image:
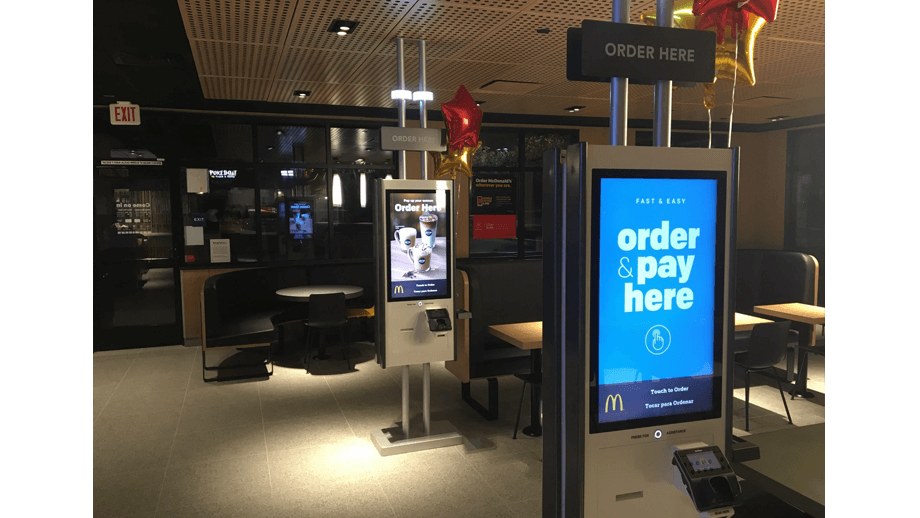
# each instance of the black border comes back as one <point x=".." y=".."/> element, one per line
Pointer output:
<point x="386" y="241"/>
<point x="719" y="301"/>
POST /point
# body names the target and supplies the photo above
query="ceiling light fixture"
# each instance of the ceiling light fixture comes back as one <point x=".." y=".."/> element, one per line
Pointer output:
<point x="342" y="27"/>
<point x="479" y="103"/>
<point x="301" y="93"/>
<point x="422" y="96"/>
<point x="572" y="109"/>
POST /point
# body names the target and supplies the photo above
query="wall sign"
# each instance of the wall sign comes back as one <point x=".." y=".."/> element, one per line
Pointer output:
<point x="494" y="207"/>
<point x="642" y="53"/>
<point x="124" y="113"/>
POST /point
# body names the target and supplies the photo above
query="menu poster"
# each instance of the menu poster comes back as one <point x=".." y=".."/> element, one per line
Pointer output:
<point x="494" y="207"/>
<point x="656" y="297"/>
<point x="418" y="237"/>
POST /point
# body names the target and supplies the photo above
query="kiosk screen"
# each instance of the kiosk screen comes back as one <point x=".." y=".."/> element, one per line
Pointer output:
<point x="657" y="297"/>
<point x="419" y="243"/>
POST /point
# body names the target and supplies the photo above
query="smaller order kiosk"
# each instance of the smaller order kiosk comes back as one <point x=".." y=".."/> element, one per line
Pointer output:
<point x="651" y="284"/>
<point x="414" y="231"/>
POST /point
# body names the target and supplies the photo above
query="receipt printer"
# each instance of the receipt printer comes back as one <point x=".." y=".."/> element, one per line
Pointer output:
<point x="438" y="320"/>
<point x="706" y="476"/>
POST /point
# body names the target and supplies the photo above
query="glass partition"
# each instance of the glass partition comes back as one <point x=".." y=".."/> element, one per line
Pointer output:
<point x="226" y="211"/>
<point x="291" y="144"/>
<point x="294" y="210"/>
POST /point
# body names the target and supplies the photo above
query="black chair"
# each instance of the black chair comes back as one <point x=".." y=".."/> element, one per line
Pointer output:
<point x="327" y="311"/>
<point x="766" y="348"/>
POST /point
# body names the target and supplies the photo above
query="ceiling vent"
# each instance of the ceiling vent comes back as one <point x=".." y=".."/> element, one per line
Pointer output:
<point x="500" y="86"/>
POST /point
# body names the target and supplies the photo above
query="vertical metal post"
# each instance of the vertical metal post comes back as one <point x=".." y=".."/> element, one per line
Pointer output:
<point x="664" y="15"/>
<point x="401" y="85"/>
<point x="619" y="86"/>
<point x="405" y="402"/>
<point x="426" y="397"/>
<point x="422" y="113"/>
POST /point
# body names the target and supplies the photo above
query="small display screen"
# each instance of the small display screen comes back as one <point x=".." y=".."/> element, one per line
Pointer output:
<point x="300" y="221"/>
<point x="657" y="297"/>
<point x="418" y="244"/>
<point x="704" y="461"/>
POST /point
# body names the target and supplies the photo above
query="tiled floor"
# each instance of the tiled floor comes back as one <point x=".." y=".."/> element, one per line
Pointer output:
<point x="167" y="444"/>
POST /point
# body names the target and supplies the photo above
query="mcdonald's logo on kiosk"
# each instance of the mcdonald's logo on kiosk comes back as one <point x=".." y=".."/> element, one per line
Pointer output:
<point x="397" y="289"/>
<point x="612" y="399"/>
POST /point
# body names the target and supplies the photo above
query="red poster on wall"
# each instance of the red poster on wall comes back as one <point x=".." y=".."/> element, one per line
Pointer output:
<point x="494" y="226"/>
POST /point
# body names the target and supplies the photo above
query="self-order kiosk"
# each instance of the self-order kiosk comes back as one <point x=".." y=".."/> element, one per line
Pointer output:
<point x="414" y="245"/>
<point x="652" y="304"/>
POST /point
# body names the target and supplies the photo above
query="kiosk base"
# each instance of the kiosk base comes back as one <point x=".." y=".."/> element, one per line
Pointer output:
<point x="390" y="441"/>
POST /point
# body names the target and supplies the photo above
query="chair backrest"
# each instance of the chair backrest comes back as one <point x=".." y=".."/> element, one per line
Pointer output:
<point x="327" y="309"/>
<point x="767" y="345"/>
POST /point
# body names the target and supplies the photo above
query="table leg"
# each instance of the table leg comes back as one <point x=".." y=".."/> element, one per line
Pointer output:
<point x="535" y="429"/>
<point x="801" y="378"/>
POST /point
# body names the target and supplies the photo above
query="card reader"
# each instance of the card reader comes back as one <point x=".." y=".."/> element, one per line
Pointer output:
<point x="708" y="479"/>
<point x="438" y="320"/>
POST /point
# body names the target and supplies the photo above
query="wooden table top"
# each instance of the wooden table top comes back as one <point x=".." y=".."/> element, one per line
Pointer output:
<point x="526" y="335"/>
<point x="794" y="311"/>
<point x="745" y="322"/>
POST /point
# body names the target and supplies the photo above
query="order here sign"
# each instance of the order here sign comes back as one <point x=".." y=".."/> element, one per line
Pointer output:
<point x="124" y="114"/>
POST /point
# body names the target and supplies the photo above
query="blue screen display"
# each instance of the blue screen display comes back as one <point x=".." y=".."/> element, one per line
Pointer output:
<point x="656" y="288"/>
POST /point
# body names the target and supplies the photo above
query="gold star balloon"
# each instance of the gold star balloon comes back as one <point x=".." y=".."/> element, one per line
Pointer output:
<point x="734" y="47"/>
<point x="454" y="162"/>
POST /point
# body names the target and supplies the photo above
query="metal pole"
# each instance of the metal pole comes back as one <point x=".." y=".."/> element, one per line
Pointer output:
<point x="664" y="14"/>
<point x="405" y="402"/>
<point x="401" y="85"/>
<point x="619" y="86"/>
<point x="422" y="115"/>
<point x="426" y="397"/>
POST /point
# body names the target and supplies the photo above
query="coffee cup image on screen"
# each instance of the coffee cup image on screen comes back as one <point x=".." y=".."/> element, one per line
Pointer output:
<point x="405" y="236"/>
<point x="418" y="250"/>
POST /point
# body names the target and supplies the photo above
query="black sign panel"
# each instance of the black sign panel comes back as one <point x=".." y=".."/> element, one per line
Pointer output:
<point x="646" y="54"/>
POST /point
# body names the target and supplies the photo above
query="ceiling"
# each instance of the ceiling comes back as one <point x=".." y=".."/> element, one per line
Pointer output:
<point x="257" y="53"/>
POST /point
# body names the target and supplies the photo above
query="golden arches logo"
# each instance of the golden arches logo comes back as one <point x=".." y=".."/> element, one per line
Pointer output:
<point x="398" y="289"/>
<point x="612" y="399"/>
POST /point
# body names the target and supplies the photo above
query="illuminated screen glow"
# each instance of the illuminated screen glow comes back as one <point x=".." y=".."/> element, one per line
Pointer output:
<point x="657" y="297"/>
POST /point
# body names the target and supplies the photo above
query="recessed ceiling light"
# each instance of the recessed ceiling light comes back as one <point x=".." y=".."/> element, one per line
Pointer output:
<point x="480" y="102"/>
<point x="342" y="27"/>
<point x="271" y="148"/>
<point x="572" y="109"/>
<point x="779" y="118"/>
<point x="543" y="31"/>
<point x="279" y="132"/>
<point x="302" y="94"/>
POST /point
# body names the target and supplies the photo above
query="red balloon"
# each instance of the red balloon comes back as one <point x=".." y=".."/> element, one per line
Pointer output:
<point x="731" y="13"/>
<point x="462" y="117"/>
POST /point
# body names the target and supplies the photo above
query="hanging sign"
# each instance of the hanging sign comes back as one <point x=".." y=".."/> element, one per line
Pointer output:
<point x="494" y="207"/>
<point x="412" y="139"/>
<point x="124" y="113"/>
<point x="642" y="53"/>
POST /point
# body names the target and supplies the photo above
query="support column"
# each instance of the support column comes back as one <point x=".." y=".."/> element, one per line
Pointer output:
<point x="422" y="112"/>
<point x="619" y="86"/>
<point x="664" y="16"/>
<point x="401" y="117"/>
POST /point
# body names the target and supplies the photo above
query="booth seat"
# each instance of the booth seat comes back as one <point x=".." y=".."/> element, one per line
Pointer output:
<point x="765" y="277"/>
<point x="495" y="291"/>
<point x="237" y="307"/>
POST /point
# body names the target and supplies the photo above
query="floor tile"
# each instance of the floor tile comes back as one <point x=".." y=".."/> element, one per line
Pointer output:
<point x="310" y="404"/>
<point x="532" y="508"/>
<point x="333" y="499"/>
<point x="452" y="488"/>
<point x="140" y="451"/>
<point x="125" y="401"/>
<point x="297" y="469"/>
<point x="217" y="482"/>
<point x="127" y="492"/>
<point x="197" y="418"/>
<point x="515" y="477"/>
<point x="245" y="507"/>
<point x="218" y="444"/>
<point x="116" y="426"/>
<point x="306" y="432"/>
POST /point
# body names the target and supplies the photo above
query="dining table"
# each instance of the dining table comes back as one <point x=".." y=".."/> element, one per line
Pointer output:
<point x="527" y="336"/>
<point x="798" y="312"/>
<point x="302" y="294"/>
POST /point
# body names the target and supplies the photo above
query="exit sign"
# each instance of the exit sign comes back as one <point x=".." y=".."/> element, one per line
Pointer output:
<point x="124" y="114"/>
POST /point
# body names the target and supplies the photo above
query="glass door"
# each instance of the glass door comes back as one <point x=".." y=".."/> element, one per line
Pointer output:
<point x="135" y="276"/>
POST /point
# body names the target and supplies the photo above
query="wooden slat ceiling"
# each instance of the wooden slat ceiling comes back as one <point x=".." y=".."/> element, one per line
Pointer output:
<point x="264" y="50"/>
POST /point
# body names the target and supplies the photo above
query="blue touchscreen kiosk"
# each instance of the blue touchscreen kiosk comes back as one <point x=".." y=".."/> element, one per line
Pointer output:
<point x="657" y="304"/>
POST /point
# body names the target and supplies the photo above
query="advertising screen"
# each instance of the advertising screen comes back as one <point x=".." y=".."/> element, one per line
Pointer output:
<point x="419" y="243"/>
<point x="657" y="297"/>
<point x="300" y="222"/>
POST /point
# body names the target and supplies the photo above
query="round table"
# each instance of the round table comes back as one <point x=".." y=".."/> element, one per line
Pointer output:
<point x="302" y="293"/>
